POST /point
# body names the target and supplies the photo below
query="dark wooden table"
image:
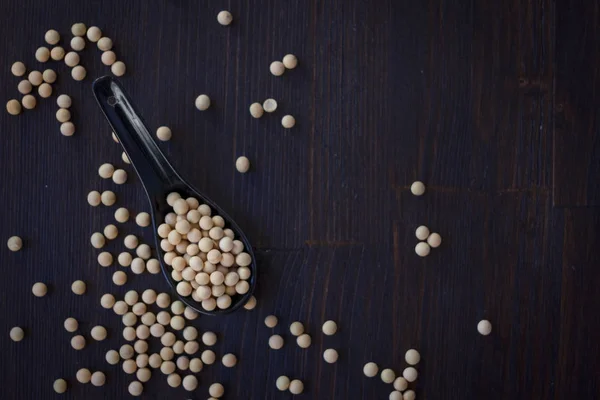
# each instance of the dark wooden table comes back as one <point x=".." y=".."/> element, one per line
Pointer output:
<point x="494" y="105"/>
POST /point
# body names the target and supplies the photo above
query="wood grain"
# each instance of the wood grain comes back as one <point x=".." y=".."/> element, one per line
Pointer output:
<point x="457" y="94"/>
<point x="577" y="138"/>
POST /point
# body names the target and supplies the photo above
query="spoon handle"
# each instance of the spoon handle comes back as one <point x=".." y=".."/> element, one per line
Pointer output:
<point x="155" y="172"/>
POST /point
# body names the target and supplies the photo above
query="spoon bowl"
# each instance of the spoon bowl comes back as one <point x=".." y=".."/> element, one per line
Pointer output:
<point x="159" y="179"/>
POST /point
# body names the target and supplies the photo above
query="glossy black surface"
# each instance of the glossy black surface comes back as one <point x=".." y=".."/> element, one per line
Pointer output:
<point x="159" y="179"/>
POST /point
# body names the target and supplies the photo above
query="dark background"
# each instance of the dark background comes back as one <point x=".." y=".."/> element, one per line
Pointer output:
<point x="494" y="105"/>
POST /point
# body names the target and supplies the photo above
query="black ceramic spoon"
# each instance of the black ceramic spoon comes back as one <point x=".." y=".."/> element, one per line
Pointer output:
<point x="159" y="179"/>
